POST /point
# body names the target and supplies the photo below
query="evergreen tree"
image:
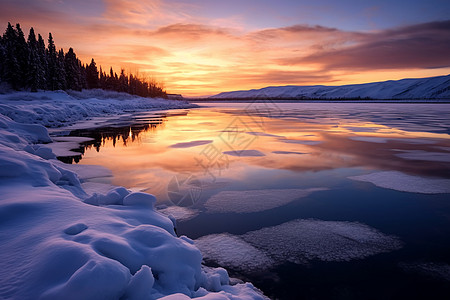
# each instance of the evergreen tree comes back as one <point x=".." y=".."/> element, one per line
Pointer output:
<point x="92" y="75"/>
<point x="12" y="69"/>
<point x="43" y="65"/>
<point x="29" y="64"/>
<point x="34" y="74"/>
<point x="72" y="68"/>
<point x="52" y="61"/>
<point x="22" y="55"/>
<point x="60" y="71"/>
<point x="123" y="82"/>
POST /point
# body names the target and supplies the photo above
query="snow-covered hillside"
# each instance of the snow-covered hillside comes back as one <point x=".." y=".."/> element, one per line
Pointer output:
<point x="422" y="88"/>
<point x="61" y="108"/>
<point x="61" y="237"/>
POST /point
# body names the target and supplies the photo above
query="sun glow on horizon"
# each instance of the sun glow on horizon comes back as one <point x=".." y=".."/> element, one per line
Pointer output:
<point x="205" y="47"/>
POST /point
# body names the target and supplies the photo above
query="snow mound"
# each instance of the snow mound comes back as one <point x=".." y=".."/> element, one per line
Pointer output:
<point x="56" y="109"/>
<point x="254" y="200"/>
<point x="59" y="242"/>
<point x="406" y="183"/>
<point x="298" y="241"/>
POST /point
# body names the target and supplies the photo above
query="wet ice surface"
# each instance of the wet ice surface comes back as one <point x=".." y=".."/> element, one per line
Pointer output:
<point x="298" y="241"/>
<point x="439" y="271"/>
<point x="178" y="212"/>
<point x="231" y="251"/>
<point x="191" y="144"/>
<point x="406" y="183"/>
<point x="424" y="155"/>
<point x="288" y="152"/>
<point x="254" y="200"/>
<point x="382" y="140"/>
<point x="244" y="153"/>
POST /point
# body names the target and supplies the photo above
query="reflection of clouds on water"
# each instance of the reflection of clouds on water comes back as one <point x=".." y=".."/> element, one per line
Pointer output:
<point x="298" y="241"/>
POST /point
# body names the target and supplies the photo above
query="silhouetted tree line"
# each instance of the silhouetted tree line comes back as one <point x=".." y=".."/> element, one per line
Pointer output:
<point x="29" y="64"/>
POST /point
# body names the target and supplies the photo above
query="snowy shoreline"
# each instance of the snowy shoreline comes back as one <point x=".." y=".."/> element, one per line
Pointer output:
<point x="64" y="236"/>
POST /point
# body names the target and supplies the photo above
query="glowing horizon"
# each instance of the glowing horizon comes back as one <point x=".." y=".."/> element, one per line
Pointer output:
<point x="205" y="47"/>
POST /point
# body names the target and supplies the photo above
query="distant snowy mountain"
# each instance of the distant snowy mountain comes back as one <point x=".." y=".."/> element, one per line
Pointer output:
<point x="421" y="88"/>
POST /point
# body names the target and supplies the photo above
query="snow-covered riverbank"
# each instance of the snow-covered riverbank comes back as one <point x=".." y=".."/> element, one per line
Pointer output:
<point x="60" y="239"/>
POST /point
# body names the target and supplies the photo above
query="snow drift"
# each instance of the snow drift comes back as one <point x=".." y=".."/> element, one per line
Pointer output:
<point x="422" y="88"/>
<point x="60" y="241"/>
<point x="60" y="108"/>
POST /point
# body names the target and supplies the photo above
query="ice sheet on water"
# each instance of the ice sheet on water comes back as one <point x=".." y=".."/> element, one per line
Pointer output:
<point x="244" y="153"/>
<point x="382" y="140"/>
<point x="299" y="241"/>
<point x="179" y="213"/>
<point x="369" y="139"/>
<point x="288" y="152"/>
<point x="231" y="251"/>
<point x="303" y="142"/>
<point x="406" y="183"/>
<point x="304" y="240"/>
<point x="436" y="270"/>
<point x="258" y="133"/>
<point x="249" y="201"/>
<point x="424" y="155"/>
<point x="190" y="144"/>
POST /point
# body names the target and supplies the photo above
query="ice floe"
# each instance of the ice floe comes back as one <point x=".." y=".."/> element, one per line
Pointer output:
<point x="232" y="251"/>
<point x="303" y="142"/>
<point x="299" y="241"/>
<point x="178" y="212"/>
<point x="424" y="155"/>
<point x="288" y="152"/>
<point x="244" y="153"/>
<point x="249" y="201"/>
<point x="439" y="271"/>
<point x="190" y="144"/>
<point x="406" y="183"/>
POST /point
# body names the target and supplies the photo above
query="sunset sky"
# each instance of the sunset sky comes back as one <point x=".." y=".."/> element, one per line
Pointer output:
<point x="209" y="46"/>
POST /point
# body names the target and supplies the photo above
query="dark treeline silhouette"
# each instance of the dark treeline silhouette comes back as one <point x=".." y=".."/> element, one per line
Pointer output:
<point x="29" y="64"/>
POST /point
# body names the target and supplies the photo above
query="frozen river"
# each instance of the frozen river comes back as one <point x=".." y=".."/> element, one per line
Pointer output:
<point x="306" y="200"/>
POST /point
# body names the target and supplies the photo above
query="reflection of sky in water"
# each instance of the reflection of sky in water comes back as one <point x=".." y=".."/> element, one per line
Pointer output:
<point x="259" y="141"/>
<point x="292" y="165"/>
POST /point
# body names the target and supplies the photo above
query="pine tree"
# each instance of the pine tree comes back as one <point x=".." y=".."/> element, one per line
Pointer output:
<point x="43" y="64"/>
<point x="72" y="68"/>
<point x="52" y="75"/>
<point x="12" y="69"/>
<point x="92" y="75"/>
<point x="60" y="71"/>
<point x="34" y="72"/>
<point x="22" y="55"/>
